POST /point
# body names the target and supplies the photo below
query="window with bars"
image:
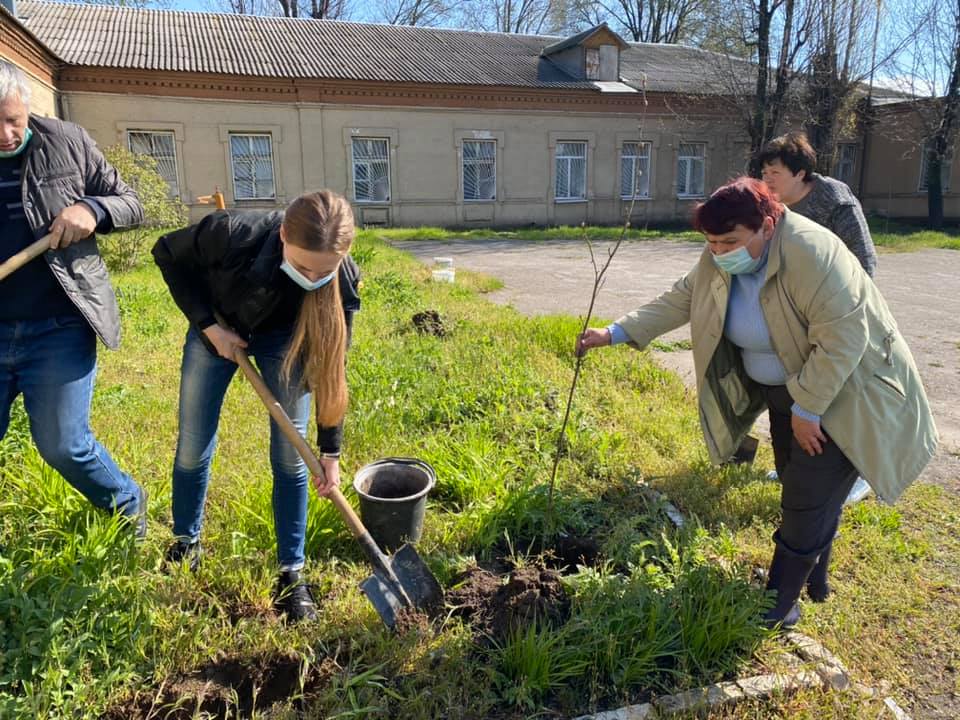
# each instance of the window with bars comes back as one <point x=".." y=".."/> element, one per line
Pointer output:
<point x="944" y="170"/>
<point x="846" y="160"/>
<point x="571" y="171"/>
<point x="161" y="147"/>
<point x="479" y="170"/>
<point x="690" y="169"/>
<point x="635" y="170"/>
<point x="251" y="157"/>
<point x="371" y="169"/>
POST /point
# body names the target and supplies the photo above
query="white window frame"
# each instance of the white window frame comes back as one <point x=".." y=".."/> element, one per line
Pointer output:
<point x="945" y="171"/>
<point x="233" y="167"/>
<point x="354" y="162"/>
<point x="477" y="162"/>
<point x="691" y="161"/>
<point x="173" y="184"/>
<point x="646" y="153"/>
<point x="845" y="166"/>
<point x="568" y="160"/>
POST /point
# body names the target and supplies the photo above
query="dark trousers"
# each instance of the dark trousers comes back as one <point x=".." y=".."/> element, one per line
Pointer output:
<point x="814" y="486"/>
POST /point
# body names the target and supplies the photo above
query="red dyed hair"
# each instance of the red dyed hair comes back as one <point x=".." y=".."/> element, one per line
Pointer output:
<point x="743" y="201"/>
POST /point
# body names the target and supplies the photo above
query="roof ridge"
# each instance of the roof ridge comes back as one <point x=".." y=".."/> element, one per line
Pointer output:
<point x="90" y="7"/>
<point x="289" y="48"/>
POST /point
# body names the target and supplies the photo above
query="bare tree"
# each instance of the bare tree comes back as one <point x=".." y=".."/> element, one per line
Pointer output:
<point x="655" y="21"/>
<point x="841" y="57"/>
<point x="775" y="32"/>
<point x="927" y="71"/>
<point x="246" y="7"/>
<point x="940" y="145"/>
<point x="318" y="9"/>
<point x="526" y="17"/>
<point x="415" y="12"/>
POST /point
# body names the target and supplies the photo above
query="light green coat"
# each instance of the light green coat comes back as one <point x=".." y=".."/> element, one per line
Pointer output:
<point x="844" y="355"/>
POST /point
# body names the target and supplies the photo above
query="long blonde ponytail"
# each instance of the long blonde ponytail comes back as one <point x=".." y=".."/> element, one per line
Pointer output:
<point x="321" y="221"/>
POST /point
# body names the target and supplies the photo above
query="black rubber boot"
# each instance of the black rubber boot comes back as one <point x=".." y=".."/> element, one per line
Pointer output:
<point x="818" y="587"/>
<point x="788" y="574"/>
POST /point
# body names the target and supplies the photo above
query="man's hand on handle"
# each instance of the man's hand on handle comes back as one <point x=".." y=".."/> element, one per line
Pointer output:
<point x="73" y="224"/>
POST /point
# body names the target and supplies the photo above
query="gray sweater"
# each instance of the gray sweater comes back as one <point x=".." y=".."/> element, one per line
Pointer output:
<point x="832" y="204"/>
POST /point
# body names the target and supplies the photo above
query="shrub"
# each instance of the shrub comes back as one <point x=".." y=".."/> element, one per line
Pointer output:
<point x="124" y="251"/>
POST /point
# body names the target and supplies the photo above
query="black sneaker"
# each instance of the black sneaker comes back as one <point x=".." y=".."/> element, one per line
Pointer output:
<point x="136" y="513"/>
<point x="184" y="550"/>
<point x="293" y="598"/>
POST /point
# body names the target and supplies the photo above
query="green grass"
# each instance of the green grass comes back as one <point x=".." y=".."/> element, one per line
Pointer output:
<point x="90" y="623"/>
<point x="888" y="235"/>
<point x="596" y="233"/>
<point x="894" y="236"/>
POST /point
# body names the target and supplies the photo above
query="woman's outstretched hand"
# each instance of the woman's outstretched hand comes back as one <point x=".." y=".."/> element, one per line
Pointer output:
<point x="591" y="338"/>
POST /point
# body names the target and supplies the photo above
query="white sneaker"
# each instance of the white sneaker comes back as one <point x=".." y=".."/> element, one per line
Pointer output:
<point x="858" y="492"/>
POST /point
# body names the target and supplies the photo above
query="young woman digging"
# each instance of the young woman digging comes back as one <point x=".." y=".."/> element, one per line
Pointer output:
<point x="282" y="287"/>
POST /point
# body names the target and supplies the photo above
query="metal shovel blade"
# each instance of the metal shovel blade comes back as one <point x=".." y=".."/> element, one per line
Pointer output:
<point x="415" y="581"/>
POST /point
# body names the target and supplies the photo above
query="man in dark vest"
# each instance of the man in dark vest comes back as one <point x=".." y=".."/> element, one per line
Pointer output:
<point x="54" y="180"/>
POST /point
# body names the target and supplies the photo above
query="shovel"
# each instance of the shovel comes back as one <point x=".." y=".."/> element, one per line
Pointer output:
<point x="15" y="262"/>
<point x="400" y="582"/>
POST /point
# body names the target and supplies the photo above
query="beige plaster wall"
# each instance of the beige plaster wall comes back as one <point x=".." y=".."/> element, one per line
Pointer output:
<point x="311" y="145"/>
<point x="892" y="173"/>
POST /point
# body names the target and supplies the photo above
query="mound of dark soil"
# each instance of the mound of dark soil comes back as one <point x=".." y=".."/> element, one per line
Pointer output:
<point x="429" y="322"/>
<point x="494" y="608"/>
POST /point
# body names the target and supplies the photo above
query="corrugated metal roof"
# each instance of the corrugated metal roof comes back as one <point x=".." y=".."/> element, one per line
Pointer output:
<point x="274" y="47"/>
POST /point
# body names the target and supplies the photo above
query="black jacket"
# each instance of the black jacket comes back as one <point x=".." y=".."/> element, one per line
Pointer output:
<point x="61" y="165"/>
<point x="228" y="265"/>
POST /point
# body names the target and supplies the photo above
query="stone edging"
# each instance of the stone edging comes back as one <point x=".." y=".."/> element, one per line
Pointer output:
<point x="828" y="672"/>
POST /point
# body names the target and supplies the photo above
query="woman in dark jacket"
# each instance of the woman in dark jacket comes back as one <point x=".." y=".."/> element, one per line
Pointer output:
<point x="282" y="287"/>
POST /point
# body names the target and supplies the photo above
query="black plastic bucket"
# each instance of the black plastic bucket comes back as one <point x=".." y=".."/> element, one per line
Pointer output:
<point x="393" y="499"/>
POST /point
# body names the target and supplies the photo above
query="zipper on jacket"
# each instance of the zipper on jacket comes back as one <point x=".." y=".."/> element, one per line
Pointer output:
<point x="888" y="342"/>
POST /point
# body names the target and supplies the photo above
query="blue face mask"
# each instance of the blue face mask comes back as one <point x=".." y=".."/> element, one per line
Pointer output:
<point x="300" y="279"/>
<point x="28" y="133"/>
<point x="737" y="262"/>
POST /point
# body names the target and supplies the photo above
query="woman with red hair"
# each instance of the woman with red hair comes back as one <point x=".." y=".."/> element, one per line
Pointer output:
<point x="783" y="318"/>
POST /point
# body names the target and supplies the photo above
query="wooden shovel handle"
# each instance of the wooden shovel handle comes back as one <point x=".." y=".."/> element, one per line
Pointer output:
<point x="15" y="262"/>
<point x="296" y="439"/>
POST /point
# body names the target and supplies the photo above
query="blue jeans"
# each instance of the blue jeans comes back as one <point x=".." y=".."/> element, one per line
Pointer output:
<point x="204" y="378"/>
<point x="52" y="362"/>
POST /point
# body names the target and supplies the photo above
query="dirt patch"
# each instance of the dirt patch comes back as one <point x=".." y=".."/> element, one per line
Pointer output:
<point x="225" y="688"/>
<point x="429" y="322"/>
<point x="567" y="552"/>
<point x="410" y="620"/>
<point x="495" y="607"/>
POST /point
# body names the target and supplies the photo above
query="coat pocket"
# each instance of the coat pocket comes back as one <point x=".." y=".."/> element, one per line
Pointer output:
<point x="735" y="391"/>
<point x="890" y="384"/>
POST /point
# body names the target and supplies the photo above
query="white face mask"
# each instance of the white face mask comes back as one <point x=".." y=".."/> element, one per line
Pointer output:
<point x="739" y="261"/>
<point x="303" y="281"/>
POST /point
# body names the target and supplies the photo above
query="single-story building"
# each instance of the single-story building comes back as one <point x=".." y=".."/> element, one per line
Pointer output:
<point x="414" y="125"/>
